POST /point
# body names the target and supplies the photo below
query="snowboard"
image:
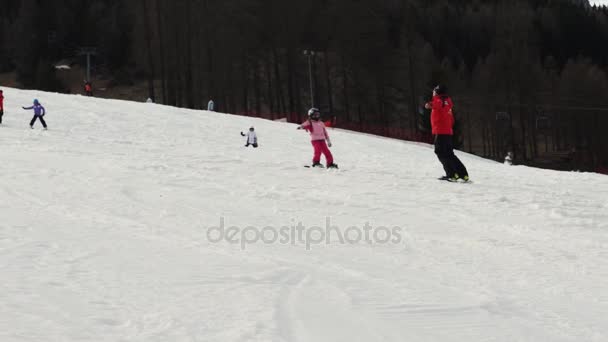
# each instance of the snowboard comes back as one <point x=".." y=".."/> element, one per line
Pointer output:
<point x="460" y="180"/>
<point x="322" y="167"/>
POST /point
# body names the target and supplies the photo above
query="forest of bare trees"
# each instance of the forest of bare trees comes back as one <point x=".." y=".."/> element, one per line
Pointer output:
<point x="526" y="76"/>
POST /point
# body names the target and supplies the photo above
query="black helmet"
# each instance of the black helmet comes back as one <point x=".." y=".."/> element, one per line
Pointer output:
<point x="441" y="90"/>
<point x="314" y="113"/>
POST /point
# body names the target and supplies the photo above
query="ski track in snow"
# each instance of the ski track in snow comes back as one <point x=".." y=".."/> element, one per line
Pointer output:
<point x="104" y="217"/>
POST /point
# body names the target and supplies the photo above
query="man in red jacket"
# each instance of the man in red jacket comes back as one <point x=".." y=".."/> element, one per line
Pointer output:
<point x="1" y="106"/>
<point x="442" y="121"/>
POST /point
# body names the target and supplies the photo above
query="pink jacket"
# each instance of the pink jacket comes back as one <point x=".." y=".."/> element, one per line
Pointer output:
<point x="317" y="130"/>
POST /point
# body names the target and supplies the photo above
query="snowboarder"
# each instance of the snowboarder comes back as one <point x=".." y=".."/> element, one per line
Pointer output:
<point x="318" y="137"/>
<point x="442" y="122"/>
<point x="252" y="138"/>
<point x="1" y="106"/>
<point x="210" y="106"/>
<point x="39" y="112"/>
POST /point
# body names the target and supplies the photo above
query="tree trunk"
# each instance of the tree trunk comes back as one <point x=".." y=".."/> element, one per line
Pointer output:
<point x="345" y="90"/>
<point x="290" y="81"/>
<point x="469" y="131"/>
<point x="278" y="83"/>
<point x="330" y="95"/>
<point x="411" y="80"/>
<point x="189" y="91"/>
<point x="150" y="64"/>
<point x="163" y="75"/>
<point x="256" y="87"/>
<point x="268" y="67"/>
<point x="245" y="82"/>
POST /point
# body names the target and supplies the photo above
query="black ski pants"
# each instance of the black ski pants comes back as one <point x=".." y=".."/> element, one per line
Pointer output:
<point x="40" y="118"/>
<point x="444" y="149"/>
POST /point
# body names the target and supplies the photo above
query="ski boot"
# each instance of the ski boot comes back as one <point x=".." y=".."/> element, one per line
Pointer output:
<point x="332" y="166"/>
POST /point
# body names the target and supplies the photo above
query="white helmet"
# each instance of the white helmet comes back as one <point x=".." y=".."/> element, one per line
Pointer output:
<point x="314" y="113"/>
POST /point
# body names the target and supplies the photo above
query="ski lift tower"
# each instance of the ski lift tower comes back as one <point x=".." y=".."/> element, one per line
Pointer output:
<point x="88" y="51"/>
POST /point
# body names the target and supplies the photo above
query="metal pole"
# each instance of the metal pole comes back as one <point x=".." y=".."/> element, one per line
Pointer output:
<point x="309" y="54"/>
<point x="88" y="67"/>
<point x="312" y="93"/>
<point x="88" y="51"/>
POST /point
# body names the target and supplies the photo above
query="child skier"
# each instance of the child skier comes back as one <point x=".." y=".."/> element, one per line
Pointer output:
<point x="88" y="88"/>
<point x="442" y="121"/>
<point x="318" y="137"/>
<point x="38" y="114"/>
<point x="1" y="106"/>
<point x="252" y="138"/>
<point x="509" y="158"/>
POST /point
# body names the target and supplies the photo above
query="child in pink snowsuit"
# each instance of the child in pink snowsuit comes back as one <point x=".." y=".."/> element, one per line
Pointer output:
<point x="318" y="137"/>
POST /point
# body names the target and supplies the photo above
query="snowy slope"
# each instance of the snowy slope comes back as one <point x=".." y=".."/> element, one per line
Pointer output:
<point x="105" y="222"/>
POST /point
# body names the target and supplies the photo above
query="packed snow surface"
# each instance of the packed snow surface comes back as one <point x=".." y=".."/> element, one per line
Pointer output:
<point x="110" y="221"/>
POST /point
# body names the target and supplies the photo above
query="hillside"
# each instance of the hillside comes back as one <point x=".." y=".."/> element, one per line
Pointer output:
<point x="106" y="219"/>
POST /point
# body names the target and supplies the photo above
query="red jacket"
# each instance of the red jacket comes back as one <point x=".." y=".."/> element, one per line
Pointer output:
<point x="442" y="119"/>
<point x="1" y="102"/>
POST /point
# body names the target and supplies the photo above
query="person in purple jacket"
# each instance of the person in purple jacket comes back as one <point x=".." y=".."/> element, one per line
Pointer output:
<point x="38" y="114"/>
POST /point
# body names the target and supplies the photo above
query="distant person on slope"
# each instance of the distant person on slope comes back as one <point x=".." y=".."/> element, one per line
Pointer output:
<point x="211" y="106"/>
<point x="1" y="106"/>
<point x="39" y="112"/>
<point x="252" y="138"/>
<point x="88" y="89"/>
<point x="509" y="158"/>
<point x="442" y="121"/>
<point x="318" y="137"/>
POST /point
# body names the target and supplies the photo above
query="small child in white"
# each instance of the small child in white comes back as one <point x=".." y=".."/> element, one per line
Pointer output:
<point x="509" y="159"/>
<point x="252" y="138"/>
